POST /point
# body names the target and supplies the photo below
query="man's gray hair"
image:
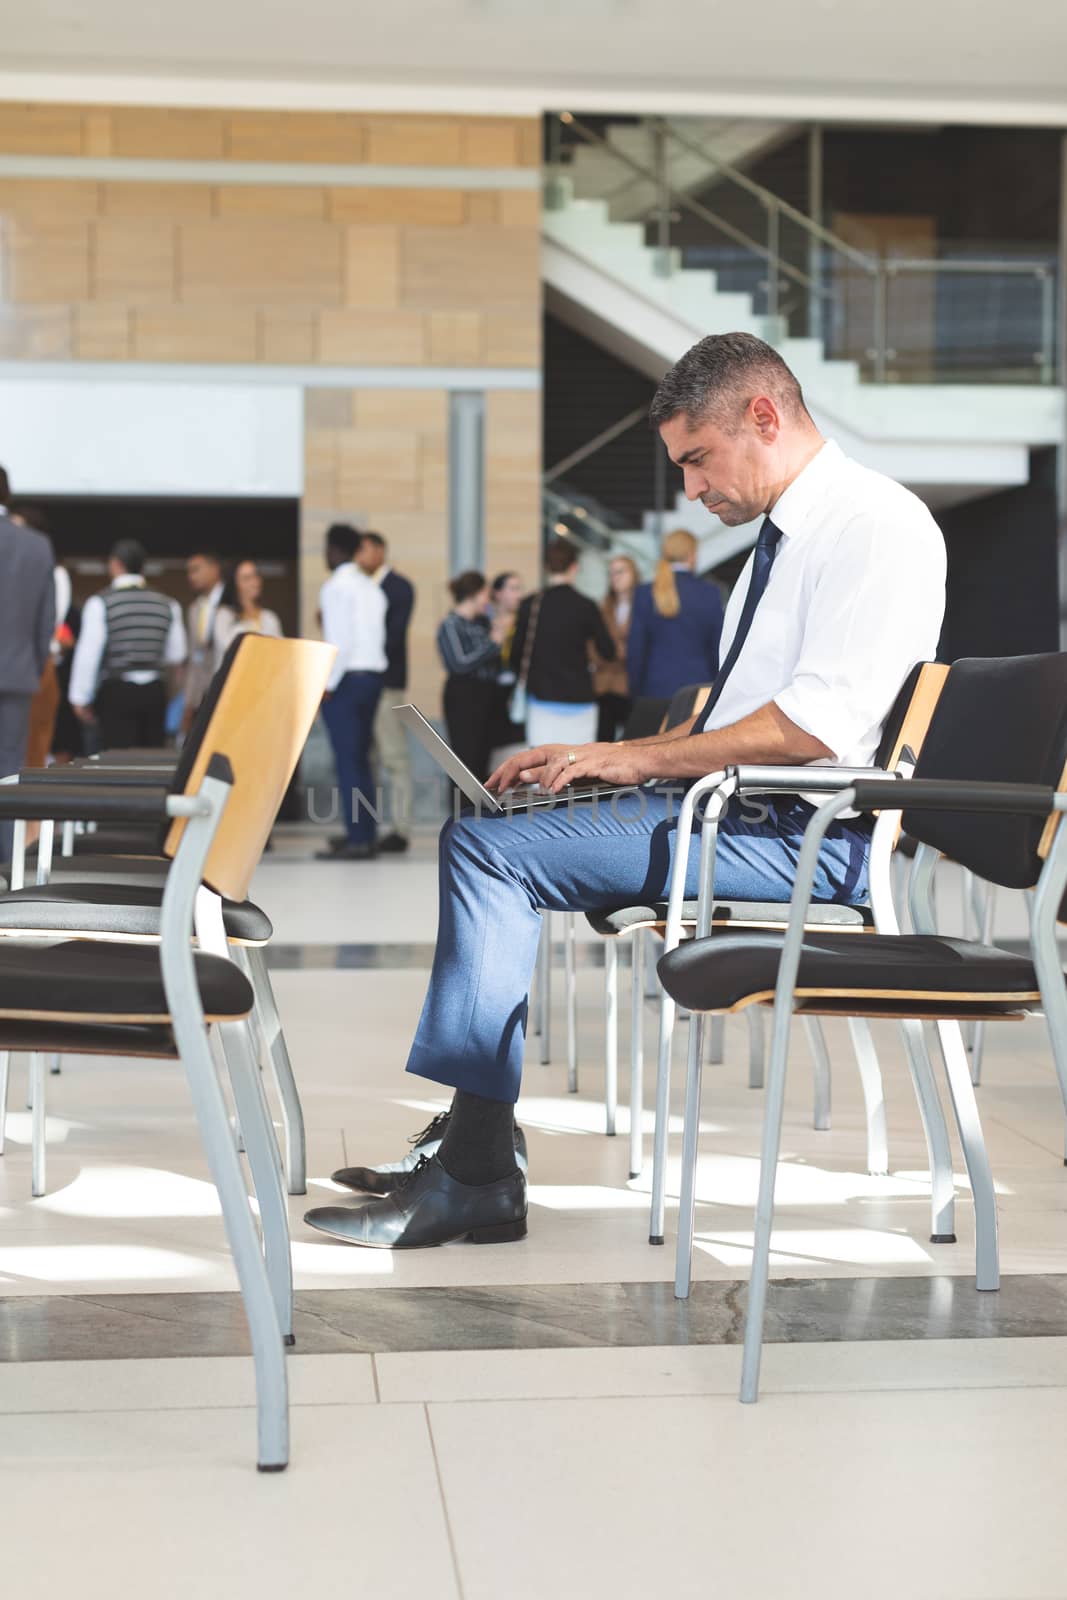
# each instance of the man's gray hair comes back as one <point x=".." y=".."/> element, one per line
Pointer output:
<point x="717" y="379"/>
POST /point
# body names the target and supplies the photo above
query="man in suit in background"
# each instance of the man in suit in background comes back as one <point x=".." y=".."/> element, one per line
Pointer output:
<point x="204" y="572"/>
<point x="390" y="749"/>
<point x="27" y="622"/>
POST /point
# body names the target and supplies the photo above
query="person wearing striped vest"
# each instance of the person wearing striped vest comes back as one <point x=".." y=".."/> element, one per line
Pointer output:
<point x="130" y="637"/>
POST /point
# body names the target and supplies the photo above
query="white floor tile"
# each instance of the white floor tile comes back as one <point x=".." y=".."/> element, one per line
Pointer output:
<point x="181" y="1383"/>
<point x="454" y="1375"/>
<point x="937" y="1496"/>
<point x="168" y="1504"/>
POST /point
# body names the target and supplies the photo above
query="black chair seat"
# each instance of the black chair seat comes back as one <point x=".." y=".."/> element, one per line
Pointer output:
<point x="108" y="982"/>
<point x="121" y="907"/>
<point x="719" y="973"/>
<point x="624" y="919"/>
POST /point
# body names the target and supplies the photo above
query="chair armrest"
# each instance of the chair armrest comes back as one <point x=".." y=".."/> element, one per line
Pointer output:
<point x="802" y="780"/>
<point x="24" y="802"/>
<point x="937" y="794"/>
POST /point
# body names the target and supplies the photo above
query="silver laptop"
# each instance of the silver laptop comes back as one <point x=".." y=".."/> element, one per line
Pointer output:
<point x="520" y="799"/>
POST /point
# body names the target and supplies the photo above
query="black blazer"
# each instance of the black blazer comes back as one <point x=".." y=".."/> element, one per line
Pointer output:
<point x="400" y="603"/>
<point x="27" y="606"/>
<point x="567" y="623"/>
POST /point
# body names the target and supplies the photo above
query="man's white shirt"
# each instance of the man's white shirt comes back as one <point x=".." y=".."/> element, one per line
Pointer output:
<point x="353" y="610"/>
<point x="855" y="598"/>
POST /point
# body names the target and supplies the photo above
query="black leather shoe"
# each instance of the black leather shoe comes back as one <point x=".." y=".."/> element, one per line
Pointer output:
<point x="393" y="844"/>
<point x="384" y="1179"/>
<point x="430" y="1208"/>
<point x="348" y="852"/>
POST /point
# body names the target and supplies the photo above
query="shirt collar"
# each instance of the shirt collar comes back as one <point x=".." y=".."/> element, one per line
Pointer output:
<point x="216" y="594"/>
<point x="797" y="507"/>
<point x="383" y="572"/>
<point x="128" y="580"/>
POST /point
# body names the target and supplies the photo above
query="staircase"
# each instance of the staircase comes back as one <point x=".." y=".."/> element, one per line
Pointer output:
<point x="949" y="442"/>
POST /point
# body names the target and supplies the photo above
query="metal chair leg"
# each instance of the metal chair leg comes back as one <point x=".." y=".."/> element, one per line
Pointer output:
<point x="663" y="1114"/>
<point x="544" y="978"/>
<point x="965" y="1106"/>
<point x="265" y="1166"/>
<point x="754" y="1018"/>
<point x="988" y="897"/>
<point x="637" y="1052"/>
<point x="611" y="1035"/>
<point x="5" y="1078"/>
<point x="938" y="1149"/>
<point x="770" y="1145"/>
<point x="281" y="1070"/>
<point x="715" y="1033"/>
<point x="873" y="1096"/>
<point x="683" y="1260"/>
<point x="571" y="989"/>
<point x="38" y="1133"/>
<point x="821" y="1062"/>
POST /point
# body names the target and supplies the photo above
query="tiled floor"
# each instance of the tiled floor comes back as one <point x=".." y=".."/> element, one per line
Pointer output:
<point x="532" y="1427"/>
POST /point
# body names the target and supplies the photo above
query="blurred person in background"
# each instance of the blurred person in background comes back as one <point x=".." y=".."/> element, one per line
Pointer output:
<point x="132" y="638"/>
<point x="239" y="610"/>
<point x="352" y="607"/>
<point x="389" y="748"/>
<point x="44" y="708"/>
<point x="610" y="682"/>
<point x="553" y="635"/>
<point x="204" y="572"/>
<point x="469" y="646"/>
<point x="505" y="597"/>
<point x="27" y="623"/>
<point x="675" y="625"/>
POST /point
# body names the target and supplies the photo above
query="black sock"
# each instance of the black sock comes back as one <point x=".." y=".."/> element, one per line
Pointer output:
<point x="479" y="1142"/>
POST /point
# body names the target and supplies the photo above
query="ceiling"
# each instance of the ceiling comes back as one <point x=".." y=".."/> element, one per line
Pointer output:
<point x="948" y="54"/>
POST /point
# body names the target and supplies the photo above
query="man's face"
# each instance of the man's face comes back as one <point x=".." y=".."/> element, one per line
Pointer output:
<point x="370" y="556"/>
<point x="202" y="574"/>
<point x="732" y="474"/>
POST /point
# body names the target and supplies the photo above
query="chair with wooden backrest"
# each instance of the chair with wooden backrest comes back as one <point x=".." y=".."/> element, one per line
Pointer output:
<point x="125" y="902"/>
<point x="990" y="788"/>
<point x="128" y="999"/>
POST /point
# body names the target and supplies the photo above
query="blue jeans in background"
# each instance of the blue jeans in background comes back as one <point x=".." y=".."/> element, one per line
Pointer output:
<point x="497" y="872"/>
<point x="349" y="718"/>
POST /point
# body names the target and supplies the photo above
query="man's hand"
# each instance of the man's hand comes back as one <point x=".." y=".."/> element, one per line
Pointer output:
<point x="83" y="713"/>
<point x="526" y="767"/>
<point x="595" y="763"/>
<point x="548" y="765"/>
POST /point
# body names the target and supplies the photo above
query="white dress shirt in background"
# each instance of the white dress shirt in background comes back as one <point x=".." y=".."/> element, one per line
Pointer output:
<point x="353" y="610"/>
<point x="855" y="599"/>
<point x="227" y="625"/>
<point x="92" y="641"/>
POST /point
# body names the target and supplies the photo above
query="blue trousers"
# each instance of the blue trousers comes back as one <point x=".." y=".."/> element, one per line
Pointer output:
<point x="496" y="873"/>
<point x="349" y="718"/>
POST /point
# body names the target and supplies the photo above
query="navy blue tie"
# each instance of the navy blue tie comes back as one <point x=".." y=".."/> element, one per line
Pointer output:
<point x="763" y="560"/>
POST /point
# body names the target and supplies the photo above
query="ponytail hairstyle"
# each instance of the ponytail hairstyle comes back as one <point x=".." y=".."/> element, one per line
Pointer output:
<point x="677" y="546"/>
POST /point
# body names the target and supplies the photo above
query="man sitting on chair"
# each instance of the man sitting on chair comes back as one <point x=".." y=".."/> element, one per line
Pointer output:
<point x="842" y="596"/>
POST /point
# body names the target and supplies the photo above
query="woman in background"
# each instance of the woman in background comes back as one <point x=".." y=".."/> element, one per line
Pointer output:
<point x="505" y="598"/>
<point x="469" y="646"/>
<point x="239" y="610"/>
<point x="552" y="638"/>
<point x="675" y="625"/>
<point x="610" y="682"/>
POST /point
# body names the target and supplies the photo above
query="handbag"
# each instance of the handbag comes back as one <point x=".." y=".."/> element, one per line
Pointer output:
<point x="517" y="698"/>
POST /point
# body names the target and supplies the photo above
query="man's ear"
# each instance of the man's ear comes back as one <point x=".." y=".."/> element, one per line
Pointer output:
<point x="764" y="414"/>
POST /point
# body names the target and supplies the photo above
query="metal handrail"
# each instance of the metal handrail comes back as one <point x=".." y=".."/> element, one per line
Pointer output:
<point x="738" y="235"/>
<point x="593" y="445"/>
<point x="768" y="198"/>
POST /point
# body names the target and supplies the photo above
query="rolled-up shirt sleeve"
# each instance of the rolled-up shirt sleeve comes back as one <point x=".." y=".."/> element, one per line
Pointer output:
<point x="878" y="601"/>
